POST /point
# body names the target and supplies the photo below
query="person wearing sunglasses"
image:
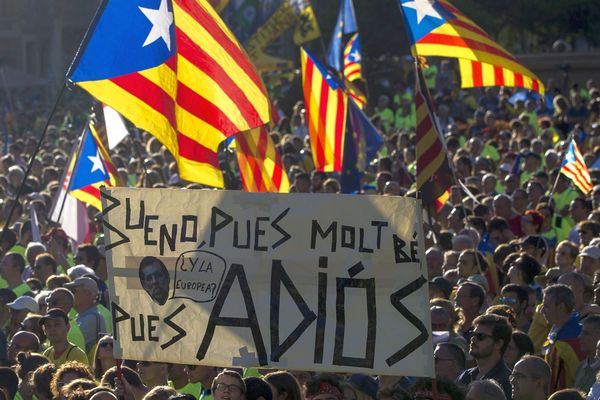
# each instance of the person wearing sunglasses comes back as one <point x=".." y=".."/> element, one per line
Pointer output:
<point x="489" y="340"/>
<point x="103" y="356"/>
<point x="229" y="385"/>
<point x="517" y="298"/>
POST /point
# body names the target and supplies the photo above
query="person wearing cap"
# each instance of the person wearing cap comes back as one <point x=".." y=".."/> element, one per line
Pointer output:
<point x="12" y="266"/>
<point x="55" y="325"/>
<point x="89" y="320"/>
<point x="18" y="311"/>
<point x="589" y="260"/>
<point x="62" y="298"/>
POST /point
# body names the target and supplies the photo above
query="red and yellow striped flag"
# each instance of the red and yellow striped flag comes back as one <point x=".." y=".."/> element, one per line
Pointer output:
<point x="259" y="161"/>
<point x="353" y="59"/>
<point x="574" y="168"/>
<point x="436" y="28"/>
<point x="326" y="112"/>
<point x="434" y="176"/>
<point x="177" y="72"/>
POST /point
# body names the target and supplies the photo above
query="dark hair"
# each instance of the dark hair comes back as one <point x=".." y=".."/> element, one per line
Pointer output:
<point x="284" y="382"/>
<point x="48" y="259"/>
<point x="568" y="394"/>
<point x="92" y="253"/>
<point x="528" y="266"/>
<point x="444" y="386"/>
<point x="519" y="290"/>
<point x="9" y="381"/>
<point x="523" y="342"/>
<point x="561" y="294"/>
<point x="456" y="352"/>
<point x="501" y="329"/>
<point x="41" y="378"/>
<point x="29" y="362"/>
<point x="256" y="387"/>
<point x="475" y="290"/>
<point x="497" y="224"/>
<point x="149" y="260"/>
<point x="108" y="379"/>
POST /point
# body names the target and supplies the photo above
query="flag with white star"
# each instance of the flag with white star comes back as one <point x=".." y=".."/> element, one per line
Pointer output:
<point x="437" y="28"/>
<point x="353" y="59"/>
<point x="574" y="168"/>
<point x="174" y="69"/>
<point x="90" y="166"/>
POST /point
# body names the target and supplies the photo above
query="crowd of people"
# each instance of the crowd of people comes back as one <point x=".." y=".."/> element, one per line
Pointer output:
<point x="513" y="257"/>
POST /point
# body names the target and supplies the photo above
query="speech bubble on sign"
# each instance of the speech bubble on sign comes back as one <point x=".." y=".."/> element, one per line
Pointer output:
<point x="198" y="276"/>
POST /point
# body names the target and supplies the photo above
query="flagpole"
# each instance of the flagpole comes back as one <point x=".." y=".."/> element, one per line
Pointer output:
<point x="32" y="158"/>
<point x="562" y="159"/>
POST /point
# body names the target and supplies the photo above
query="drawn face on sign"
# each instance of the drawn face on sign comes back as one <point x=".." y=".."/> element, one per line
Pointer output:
<point x="155" y="279"/>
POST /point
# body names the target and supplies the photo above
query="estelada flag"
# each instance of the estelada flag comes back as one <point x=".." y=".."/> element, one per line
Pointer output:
<point x="173" y="68"/>
<point x="326" y="112"/>
<point x="574" y="168"/>
<point x="261" y="169"/>
<point x="434" y="176"/>
<point x="436" y="28"/>
<point x="90" y="169"/>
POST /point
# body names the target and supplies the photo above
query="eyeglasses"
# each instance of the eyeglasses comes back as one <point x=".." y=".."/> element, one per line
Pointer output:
<point x="191" y="367"/>
<point x="480" y="336"/>
<point x="222" y="387"/>
<point x="106" y="344"/>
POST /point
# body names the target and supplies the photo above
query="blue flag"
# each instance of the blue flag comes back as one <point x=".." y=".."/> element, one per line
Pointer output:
<point x="128" y="36"/>
<point x="362" y="142"/>
<point x="346" y="23"/>
<point x="90" y="167"/>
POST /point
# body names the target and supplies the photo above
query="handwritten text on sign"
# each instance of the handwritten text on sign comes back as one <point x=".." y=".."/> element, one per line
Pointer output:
<point x="305" y="282"/>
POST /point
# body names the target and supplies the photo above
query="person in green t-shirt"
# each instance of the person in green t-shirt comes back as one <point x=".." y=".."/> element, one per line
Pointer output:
<point x="63" y="298"/>
<point x="55" y="325"/>
<point x="204" y="375"/>
<point x="11" y="270"/>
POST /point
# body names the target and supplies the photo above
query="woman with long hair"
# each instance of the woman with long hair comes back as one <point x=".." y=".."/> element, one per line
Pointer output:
<point x="103" y="358"/>
<point x="285" y="384"/>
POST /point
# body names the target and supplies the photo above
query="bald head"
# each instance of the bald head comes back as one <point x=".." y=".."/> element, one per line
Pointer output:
<point x="502" y="206"/>
<point x="22" y="341"/>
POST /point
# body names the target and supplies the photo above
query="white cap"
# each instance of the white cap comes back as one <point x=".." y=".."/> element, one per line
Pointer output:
<point x="25" y="303"/>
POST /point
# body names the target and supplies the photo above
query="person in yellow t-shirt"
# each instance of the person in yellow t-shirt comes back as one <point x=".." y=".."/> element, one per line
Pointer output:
<point x="55" y="325"/>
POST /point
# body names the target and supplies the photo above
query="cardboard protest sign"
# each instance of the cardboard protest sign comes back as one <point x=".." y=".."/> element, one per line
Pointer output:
<point x="296" y="281"/>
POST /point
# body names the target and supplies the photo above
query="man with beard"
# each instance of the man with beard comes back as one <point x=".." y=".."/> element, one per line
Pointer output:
<point x="155" y="279"/>
<point x="490" y="338"/>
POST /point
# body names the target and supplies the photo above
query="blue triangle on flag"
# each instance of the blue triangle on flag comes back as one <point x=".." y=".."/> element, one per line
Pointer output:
<point x="90" y="167"/>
